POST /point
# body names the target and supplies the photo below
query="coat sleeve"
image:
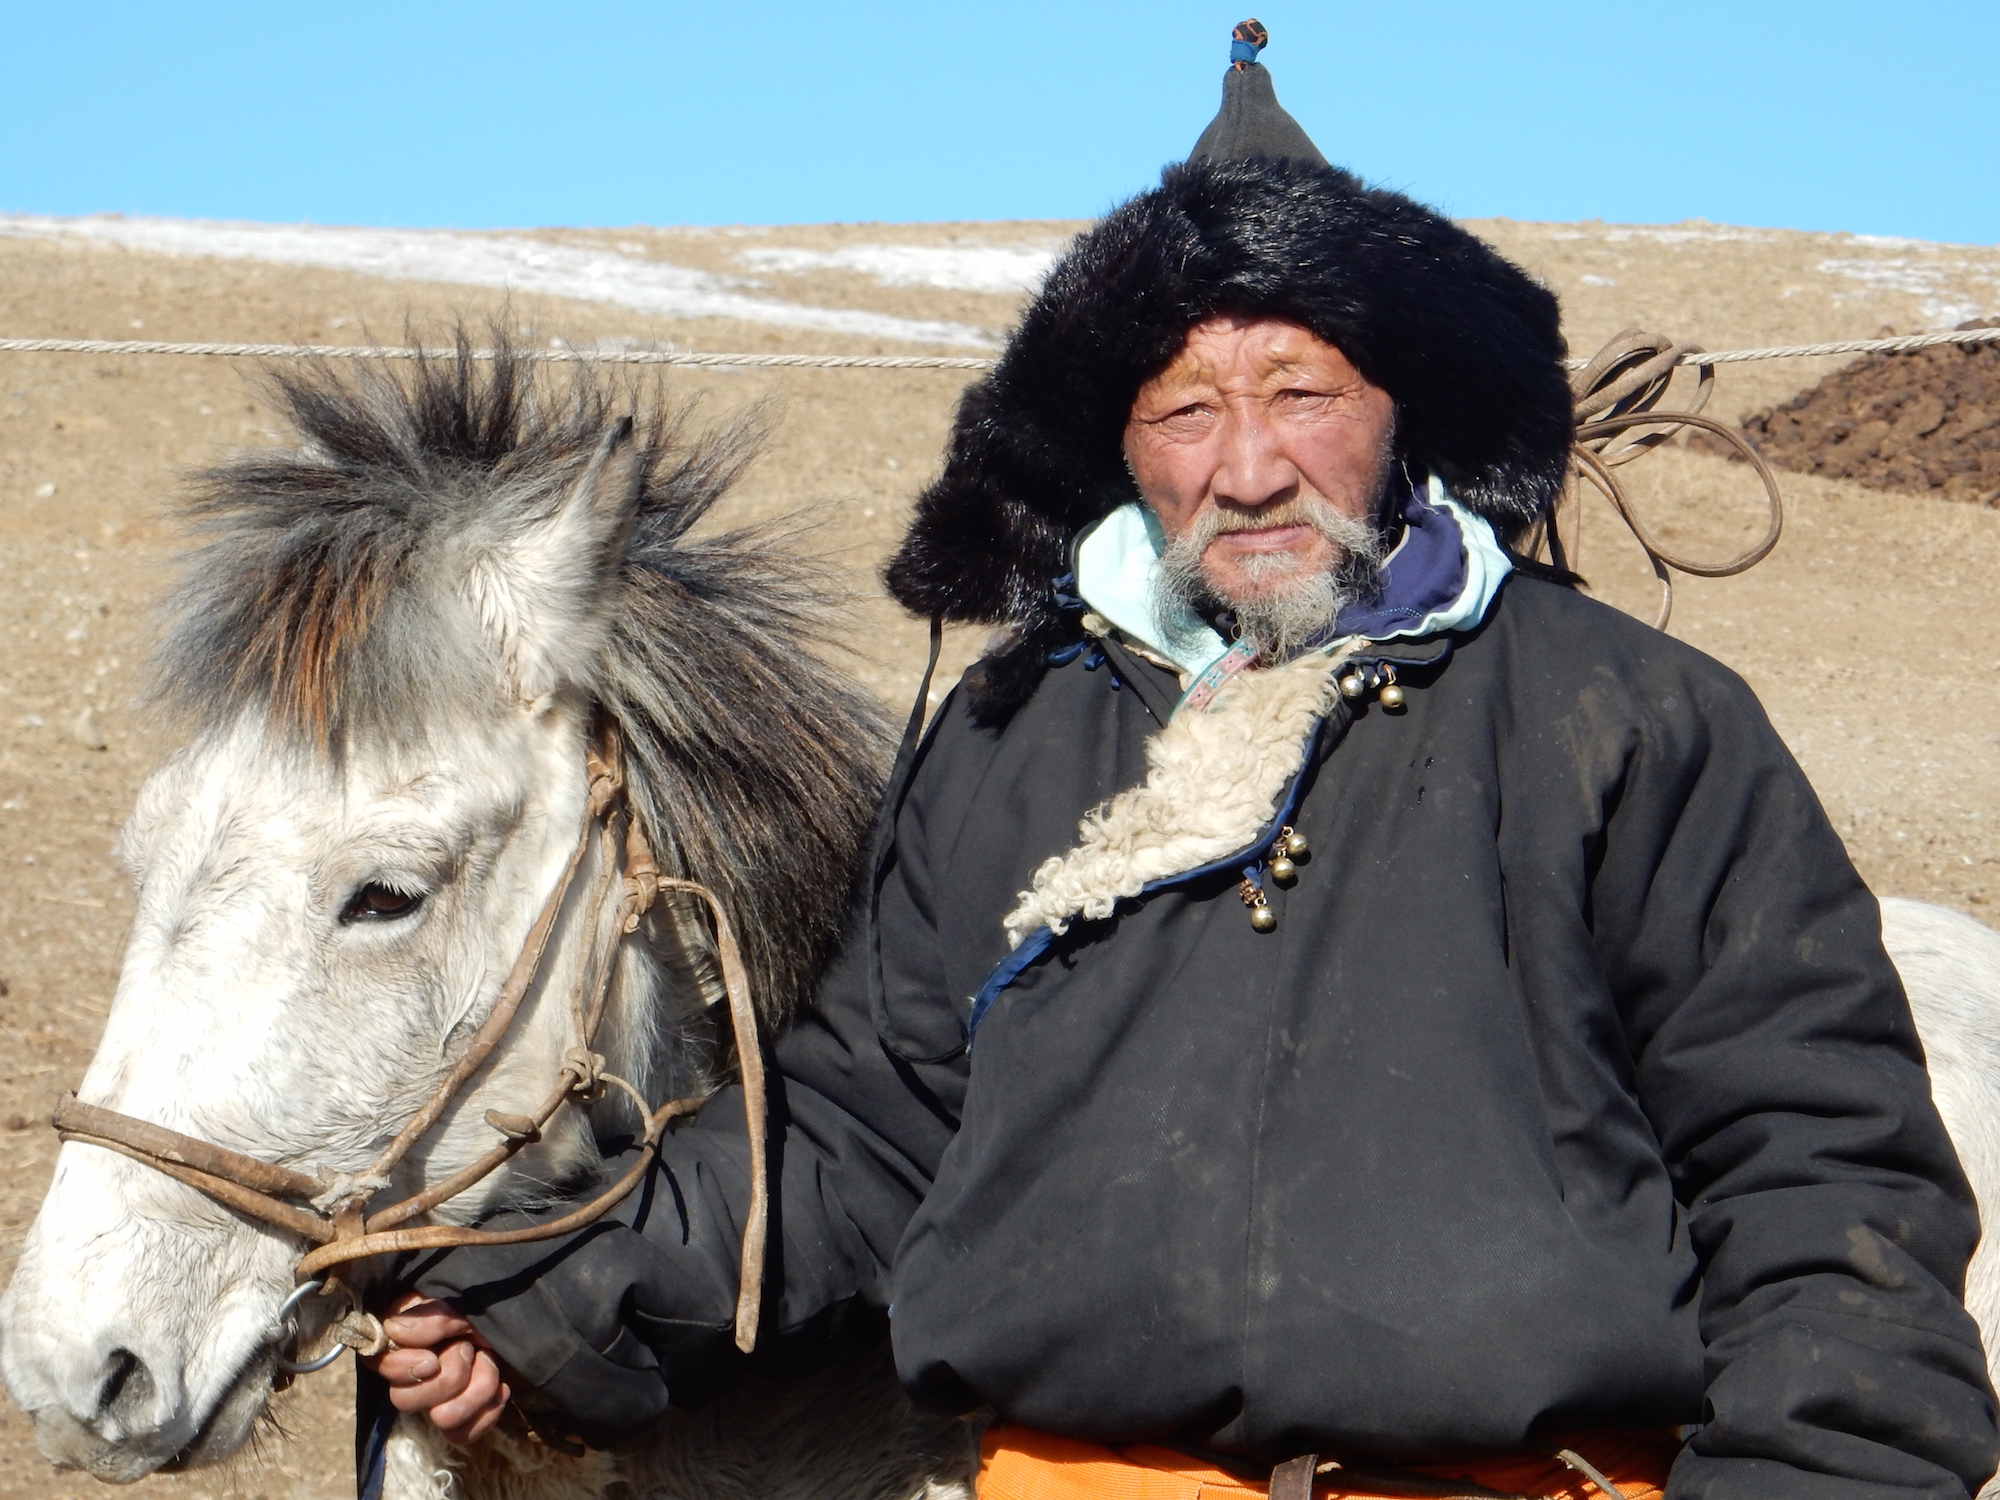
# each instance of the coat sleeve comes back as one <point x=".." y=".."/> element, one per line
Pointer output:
<point x="1774" y="1052"/>
<point x="604" y="1324"/>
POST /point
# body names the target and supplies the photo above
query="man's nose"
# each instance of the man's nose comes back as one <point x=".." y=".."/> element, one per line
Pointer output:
<point x="1252" y="469"/>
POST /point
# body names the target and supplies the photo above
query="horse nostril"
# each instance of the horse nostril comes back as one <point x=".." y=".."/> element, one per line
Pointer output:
<point x="126" y="1390"/>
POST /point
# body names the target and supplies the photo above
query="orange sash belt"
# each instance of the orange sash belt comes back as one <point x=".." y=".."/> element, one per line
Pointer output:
<point x="1018" y="1463"/>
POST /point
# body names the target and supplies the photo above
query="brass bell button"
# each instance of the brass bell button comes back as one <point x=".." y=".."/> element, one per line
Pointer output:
<point x="1392" y="696"/>
<point x="1251" y="894"/>
<point x="1287" y="849"/>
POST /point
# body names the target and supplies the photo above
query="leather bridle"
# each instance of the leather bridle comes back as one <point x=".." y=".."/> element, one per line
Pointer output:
<point x="329" y="1210"/>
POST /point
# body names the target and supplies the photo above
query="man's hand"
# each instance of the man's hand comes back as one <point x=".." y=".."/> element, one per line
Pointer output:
<point x="442" y="1366"/>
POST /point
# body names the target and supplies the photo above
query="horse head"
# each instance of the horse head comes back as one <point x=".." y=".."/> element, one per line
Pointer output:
<point x="390" y="657"/>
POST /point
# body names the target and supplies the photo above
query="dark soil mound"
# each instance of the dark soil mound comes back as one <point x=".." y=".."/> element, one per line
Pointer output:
<point x="1927" y="422"/>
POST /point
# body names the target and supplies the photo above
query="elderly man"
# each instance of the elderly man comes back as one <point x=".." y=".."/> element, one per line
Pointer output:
<point x="1324" y="986"/>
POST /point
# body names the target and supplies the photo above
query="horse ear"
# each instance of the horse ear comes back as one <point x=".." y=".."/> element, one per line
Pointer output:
<point x="560" y="572"/>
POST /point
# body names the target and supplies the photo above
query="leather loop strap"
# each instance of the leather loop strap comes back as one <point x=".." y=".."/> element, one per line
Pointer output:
<point x="750" y="1072"/>
<point x="1591" y="1472"/>
<point x="875" y="871"/>
<point x="527" y="964"/>
<point x="303" y="1222"/>
<point x="74" y="1118"/>
<point x="1619" y="392"/>
<point x="1293" y="1479"/>
<point x="1746" y="559"/>
<point x="452" y="1236"/>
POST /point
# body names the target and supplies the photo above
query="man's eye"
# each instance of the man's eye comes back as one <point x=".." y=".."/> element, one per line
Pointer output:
<point x="376" y="902"/>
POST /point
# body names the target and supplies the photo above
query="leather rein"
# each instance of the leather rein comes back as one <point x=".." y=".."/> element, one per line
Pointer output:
<point x="329" y="1209"/>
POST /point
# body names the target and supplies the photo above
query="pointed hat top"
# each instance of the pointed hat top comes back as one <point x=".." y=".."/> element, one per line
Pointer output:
<point x="1251" y="122"/>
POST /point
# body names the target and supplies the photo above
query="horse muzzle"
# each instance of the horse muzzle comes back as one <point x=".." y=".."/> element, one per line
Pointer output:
<point x="121" y="1421"/>
<point x="133" y="1344"/>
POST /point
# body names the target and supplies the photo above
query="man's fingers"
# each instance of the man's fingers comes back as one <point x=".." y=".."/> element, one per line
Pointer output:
<point x="407" y="1366"/>
<point x="458" y="1383"/>
<point x="482" y="1424"/>
<point x="483" y="1396"/>
<point x="426" y="1323"/>
<point x="481" y="1386"/>
<point x="455" y="1368"/>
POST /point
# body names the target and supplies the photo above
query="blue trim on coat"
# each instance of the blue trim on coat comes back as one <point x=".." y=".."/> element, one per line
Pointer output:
<point x="374" y="1418"/>
<point x="1033" y="946"/>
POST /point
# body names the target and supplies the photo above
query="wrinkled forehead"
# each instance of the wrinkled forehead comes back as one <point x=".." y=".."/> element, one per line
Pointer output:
<point x="1227" y="352"/>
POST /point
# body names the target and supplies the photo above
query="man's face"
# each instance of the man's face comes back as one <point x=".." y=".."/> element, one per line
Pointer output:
<point x="1265" y="448"/>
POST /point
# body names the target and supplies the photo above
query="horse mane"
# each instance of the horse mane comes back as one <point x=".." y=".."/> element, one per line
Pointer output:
<point x="324" y="595"/>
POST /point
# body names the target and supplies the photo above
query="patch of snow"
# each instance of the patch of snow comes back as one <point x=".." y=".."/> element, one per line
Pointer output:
<point x="1588" y="280"/>
<point x="508" y="261"/>
<point x="1889" y="275"/>
<point x="1677" y="234"/>
<point x="1884" y="241"/>
<point x="1900" y="242"/>
<point x="1000" y="269"/>
<point x="1944" y="286"/>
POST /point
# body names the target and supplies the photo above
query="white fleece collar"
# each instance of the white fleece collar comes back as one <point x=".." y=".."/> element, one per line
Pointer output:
<point x="1213" y="780"/>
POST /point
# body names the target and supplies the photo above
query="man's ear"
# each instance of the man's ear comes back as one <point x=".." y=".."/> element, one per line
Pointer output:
<point x="545" y="593"/>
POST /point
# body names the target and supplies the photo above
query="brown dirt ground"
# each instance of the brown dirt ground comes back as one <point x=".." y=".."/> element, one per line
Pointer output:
<point x="1866" y="633"/>
<point x="1927" y="422"/>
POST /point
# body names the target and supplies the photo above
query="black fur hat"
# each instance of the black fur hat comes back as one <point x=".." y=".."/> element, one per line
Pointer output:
<point x="1467" y="344"/>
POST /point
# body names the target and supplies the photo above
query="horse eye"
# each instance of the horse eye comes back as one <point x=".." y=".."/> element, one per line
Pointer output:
<point x="376" y="902"/>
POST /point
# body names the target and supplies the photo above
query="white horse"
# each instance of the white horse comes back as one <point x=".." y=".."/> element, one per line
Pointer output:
<point x="393" y="654"/>
<point x="393" y="657"/>
<point x="1951" y="971"/>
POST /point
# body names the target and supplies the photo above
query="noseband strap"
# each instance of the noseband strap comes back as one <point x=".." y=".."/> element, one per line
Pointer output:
<point x="341" y="1230"/>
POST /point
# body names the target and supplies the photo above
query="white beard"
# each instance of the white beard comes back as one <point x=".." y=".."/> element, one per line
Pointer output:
<point x="1286" y="609"/>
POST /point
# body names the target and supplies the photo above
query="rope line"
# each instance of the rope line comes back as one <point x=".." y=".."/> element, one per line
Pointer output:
<point x="559" y="356"/>
<point x="689" y="359"/>
<point x="1901" y="345"/>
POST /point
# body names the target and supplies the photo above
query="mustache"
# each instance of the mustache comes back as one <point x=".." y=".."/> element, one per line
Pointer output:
<point x="1349" y="535"/>
<point x="1299" y="512"/>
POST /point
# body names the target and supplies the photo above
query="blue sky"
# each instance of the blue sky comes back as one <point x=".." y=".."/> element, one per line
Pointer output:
<point x="1839" y="114"/>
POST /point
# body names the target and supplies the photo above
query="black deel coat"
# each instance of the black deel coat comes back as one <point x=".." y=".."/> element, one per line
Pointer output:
<point x="1572" y="1090"/>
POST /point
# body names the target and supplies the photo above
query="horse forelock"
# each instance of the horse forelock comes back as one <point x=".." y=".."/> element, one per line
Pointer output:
<point x="322" y="595"/>
<point x="329" y="598"/>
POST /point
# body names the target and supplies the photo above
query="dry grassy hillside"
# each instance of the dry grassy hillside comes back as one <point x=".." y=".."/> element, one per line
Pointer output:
<point x="1866" y="634"/>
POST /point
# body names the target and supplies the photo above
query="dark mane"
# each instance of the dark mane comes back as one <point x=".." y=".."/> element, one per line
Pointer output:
<point x="324" y="597"/>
